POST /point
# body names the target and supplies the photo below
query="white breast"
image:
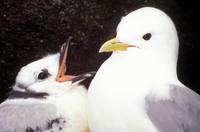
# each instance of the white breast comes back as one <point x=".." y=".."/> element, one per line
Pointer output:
<point x="114" y="106"/>
<point x="71" y="104"/>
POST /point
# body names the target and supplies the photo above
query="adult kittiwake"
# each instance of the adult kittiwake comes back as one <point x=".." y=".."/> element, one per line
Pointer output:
<point x="39" y="103"/>
<point x="136" y="89"/>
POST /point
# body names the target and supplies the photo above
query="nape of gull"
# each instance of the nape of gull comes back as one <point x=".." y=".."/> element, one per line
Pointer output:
<point x="136" y="89"/>
<point x="39" y="103"/>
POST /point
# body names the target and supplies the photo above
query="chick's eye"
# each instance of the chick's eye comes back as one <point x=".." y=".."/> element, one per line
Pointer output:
<point x="43" y="74"/>
<point x="147" y="36"/>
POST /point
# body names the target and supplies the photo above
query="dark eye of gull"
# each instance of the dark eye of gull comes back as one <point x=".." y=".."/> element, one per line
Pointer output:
<point x="43" y="74"/>
<point x="147" y="36"/>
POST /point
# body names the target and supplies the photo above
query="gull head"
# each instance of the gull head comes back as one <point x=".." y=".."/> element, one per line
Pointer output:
<point x="146" y="43"/>
<point x="148" y="30"/>
<point x="36" y="75"/>
<point x="47" y="75"/>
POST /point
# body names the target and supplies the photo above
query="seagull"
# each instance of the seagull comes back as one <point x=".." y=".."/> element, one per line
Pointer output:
<point x="137" y="89"/>
<point x="44" y="99"/>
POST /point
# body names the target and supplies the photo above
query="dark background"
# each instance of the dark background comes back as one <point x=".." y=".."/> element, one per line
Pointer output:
<point x="31" y="29"/>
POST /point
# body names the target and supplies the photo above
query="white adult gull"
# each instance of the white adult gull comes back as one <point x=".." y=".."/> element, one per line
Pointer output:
<point x="136" y="89"/>
<point x="39" y="103"/>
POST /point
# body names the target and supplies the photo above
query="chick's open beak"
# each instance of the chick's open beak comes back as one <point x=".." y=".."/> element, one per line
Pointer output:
<point x="61" y="77"/>
<point x="114" y="45"/>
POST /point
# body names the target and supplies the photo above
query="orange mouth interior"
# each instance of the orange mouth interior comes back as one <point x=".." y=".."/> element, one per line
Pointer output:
<point x="61" y="77"/>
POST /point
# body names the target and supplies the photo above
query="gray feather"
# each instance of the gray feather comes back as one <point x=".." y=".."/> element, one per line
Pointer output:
<point x="180" y="114"/>
<point x="14" y="94"/>
<point x="25" y="117"/>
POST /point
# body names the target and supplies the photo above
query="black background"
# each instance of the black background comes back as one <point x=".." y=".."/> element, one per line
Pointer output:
<point x="31" y="29"/>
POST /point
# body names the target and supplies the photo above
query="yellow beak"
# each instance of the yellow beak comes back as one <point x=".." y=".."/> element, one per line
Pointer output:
<point x="114" y="45"/>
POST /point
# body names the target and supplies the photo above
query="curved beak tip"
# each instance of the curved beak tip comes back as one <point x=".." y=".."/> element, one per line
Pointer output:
<point x="101" y="50"/>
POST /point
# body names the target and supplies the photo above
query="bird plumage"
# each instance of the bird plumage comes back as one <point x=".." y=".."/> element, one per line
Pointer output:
<point x="143" y="64"/>
<point x="38" y="103"/>
<point x="180" y="113"/>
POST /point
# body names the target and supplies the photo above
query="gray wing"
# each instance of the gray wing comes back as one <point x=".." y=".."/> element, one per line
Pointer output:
<point x="180" y="114"/>
<point x="27" y="117"/>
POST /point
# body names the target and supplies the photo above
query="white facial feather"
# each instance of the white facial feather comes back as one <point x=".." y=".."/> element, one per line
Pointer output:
<point x="161" y="49"/>
<point x="28" y="75"/>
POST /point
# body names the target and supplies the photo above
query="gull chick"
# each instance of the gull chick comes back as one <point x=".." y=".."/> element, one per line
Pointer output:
<point x="137" y="89"/>
<point x="43" y="99"/>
